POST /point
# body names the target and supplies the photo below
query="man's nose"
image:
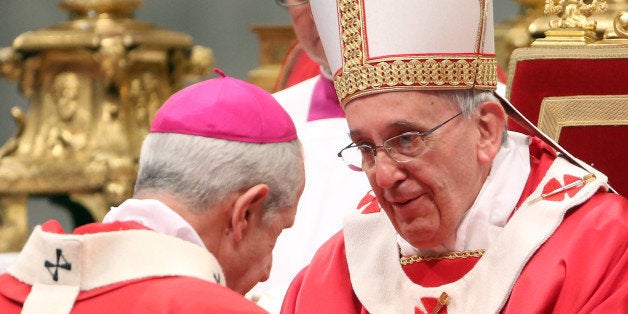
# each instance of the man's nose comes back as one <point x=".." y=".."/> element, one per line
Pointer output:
<point x="387" y="170"/>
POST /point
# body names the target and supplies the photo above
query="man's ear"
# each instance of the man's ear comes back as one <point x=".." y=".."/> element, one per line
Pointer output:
<point x="250" y="202"/>
<point x="491" y="124"/>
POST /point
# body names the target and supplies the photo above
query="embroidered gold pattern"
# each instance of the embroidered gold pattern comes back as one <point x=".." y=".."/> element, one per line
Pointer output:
<point x="480" y="37"/>
<point x="360" y="76"/>
<point x="453" y="255"/>
<point x="447" y="73"/>
<point x="352" y="32"/>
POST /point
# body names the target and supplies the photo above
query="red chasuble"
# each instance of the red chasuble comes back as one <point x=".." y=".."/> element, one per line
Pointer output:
<point x="581" y="268"/>
<point x="148" y="294"/>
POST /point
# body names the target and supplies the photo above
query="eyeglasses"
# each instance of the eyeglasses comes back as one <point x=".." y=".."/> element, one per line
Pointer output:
<point x="401" y="148"/>
<point x="291" y="3"/>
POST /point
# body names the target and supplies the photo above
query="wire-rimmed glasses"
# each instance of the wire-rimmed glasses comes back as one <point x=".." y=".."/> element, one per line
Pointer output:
<point x="401" y="148"/>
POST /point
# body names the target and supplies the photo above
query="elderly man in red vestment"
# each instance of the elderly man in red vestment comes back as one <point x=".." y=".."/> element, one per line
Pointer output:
<point x="220" y="175"/>
<point x="465" y="216"/>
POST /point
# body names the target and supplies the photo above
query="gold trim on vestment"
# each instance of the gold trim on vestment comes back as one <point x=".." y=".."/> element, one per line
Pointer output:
<point x="452" y="255"/>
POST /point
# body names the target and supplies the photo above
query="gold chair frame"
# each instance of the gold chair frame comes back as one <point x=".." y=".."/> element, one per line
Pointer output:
<point x="559" y="112"/>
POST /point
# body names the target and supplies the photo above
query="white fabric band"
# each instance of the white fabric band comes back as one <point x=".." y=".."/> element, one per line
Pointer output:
<point x="84" y="262"/>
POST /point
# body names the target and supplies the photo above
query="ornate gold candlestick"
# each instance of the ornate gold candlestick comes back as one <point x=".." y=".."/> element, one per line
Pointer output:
<point x="93" y="82"/>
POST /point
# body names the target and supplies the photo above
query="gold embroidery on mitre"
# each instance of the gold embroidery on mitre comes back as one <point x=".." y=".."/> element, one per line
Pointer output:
<point x="417" y="73"/>
<point x="360" y="76"/>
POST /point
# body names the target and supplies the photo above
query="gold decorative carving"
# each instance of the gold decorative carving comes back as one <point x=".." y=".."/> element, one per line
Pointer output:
<point x="604" y="20"/>
<point x="618" y="34"/>
<point x="13" y="222"/>
<point x="559" y="112"/>
<point x="520" y="31"/>
<point x="93" y="84"/>
<point x="574" y="13"/>
<point x="275" y="41"/>
<point x="620" y="25"/>
<point x="572" y="26"/>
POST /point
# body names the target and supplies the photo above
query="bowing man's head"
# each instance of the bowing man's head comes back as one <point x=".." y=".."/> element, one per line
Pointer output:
<point x="225" y="156"/>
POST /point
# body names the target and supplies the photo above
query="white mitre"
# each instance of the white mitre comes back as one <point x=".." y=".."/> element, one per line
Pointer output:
<point x="370" y="52"/>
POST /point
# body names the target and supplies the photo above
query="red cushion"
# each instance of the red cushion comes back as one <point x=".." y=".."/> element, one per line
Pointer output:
<point x="603" y="147"/>
<point x="536" y="79"/>
<point x="570" y="72"/>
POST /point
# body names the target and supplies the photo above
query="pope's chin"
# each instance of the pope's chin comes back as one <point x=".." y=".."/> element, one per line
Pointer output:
<point x="421" y="235"/>
<point x="420" y="231"/>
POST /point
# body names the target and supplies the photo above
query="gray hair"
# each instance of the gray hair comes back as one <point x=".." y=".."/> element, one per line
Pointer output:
<point x="202" y="171"/>
<point x="468" y="101"/>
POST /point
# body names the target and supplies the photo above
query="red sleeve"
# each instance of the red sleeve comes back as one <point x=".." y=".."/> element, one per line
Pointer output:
<point x="289" y="301"/>
<point x="323" y="286"/>
<point x="52" y="226"/>
<point x="583" y="267"/>
<point x="107" y="227"/>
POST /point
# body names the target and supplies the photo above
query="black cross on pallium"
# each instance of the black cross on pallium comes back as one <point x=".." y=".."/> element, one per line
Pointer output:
<point x="65" y="265"/>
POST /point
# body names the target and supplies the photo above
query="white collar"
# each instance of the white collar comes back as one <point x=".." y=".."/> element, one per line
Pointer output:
<point x="155" y="215"/>
<point x="495" y="202"/>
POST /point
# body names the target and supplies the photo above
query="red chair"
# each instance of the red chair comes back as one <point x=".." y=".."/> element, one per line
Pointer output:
<point x="578" y="96"/>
